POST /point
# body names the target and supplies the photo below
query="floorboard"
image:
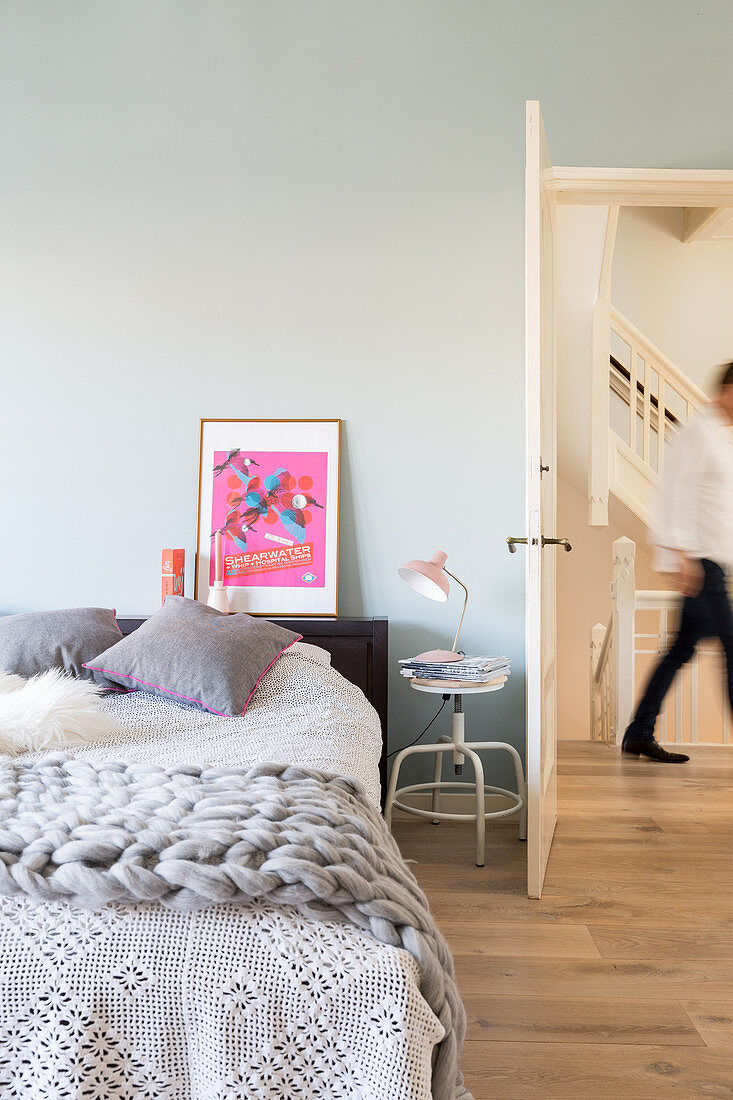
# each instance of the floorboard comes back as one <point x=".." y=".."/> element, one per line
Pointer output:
<point x="618" y="983"/>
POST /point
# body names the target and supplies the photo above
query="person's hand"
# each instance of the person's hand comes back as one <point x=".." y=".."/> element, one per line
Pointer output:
<point x="689" y="579"/>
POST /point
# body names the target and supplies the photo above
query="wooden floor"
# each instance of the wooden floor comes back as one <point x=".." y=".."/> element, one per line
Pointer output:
<point x="619" y="982"/>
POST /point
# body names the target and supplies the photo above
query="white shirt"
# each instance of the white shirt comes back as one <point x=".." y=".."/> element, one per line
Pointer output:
<point x="695" y="513"/>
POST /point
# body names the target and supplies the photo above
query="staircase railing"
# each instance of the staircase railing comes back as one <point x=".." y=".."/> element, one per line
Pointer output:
<point x="613" y="675"/>
<point x="642" y="625"/>
<point x="640" y="398"/>
<point x="602" y="683"/>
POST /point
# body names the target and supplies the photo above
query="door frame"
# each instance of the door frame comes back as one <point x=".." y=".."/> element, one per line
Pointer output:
<point x="614" y="188"/>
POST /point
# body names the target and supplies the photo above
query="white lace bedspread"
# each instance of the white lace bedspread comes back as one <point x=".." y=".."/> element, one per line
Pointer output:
<point x="230" y="1002"/>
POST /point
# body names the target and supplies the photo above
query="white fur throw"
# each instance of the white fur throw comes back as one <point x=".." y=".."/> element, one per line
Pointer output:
<point x="49" y="710"/>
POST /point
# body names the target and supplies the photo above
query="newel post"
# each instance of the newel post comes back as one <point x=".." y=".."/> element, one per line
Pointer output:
<point x="623" y="597"/>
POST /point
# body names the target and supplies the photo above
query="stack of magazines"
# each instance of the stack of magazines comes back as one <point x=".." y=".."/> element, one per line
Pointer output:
<point x="469" y="670"/>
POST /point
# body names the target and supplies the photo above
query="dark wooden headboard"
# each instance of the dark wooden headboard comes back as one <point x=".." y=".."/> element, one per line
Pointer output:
<point x="358" y="649"/>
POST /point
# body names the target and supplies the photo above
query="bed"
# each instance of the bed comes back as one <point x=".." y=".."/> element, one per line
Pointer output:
<point x="233" y="1001"/>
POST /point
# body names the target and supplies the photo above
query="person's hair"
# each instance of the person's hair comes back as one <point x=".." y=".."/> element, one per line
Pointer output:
<point x="725" y="375"/>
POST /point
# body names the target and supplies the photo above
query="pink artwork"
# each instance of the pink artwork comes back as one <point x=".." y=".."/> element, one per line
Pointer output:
<point x="270" y="507"/>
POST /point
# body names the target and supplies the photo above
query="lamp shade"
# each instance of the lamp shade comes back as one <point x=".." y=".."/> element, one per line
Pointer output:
<point x="427" y="577"/>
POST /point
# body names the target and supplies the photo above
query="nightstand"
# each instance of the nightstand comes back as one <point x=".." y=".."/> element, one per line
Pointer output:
<point x="460" y="748"/>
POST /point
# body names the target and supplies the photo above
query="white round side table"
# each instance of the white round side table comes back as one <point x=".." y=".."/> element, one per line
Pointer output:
<point x="460" y="748"/>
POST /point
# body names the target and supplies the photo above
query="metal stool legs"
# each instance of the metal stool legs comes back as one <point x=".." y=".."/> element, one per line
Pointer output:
<point x="460" y="749"/>
<point x="437" y="777"/>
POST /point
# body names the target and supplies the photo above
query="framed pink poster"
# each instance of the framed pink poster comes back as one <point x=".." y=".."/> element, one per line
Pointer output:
<point x="271" y="490"/>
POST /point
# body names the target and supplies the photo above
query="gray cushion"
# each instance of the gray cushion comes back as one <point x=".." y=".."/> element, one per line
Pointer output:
<point x="191" y="652"/>
<point x="38" y="640"/>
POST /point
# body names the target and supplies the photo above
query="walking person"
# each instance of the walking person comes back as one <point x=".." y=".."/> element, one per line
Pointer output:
<point x="693" y="542"/>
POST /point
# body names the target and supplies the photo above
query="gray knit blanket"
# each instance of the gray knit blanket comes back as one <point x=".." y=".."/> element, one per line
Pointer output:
<point x="92" y="832"/>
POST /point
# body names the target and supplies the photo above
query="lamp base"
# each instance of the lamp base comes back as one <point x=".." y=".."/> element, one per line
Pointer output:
<point x="218" y="597"/>
<point x="439" y="656"/>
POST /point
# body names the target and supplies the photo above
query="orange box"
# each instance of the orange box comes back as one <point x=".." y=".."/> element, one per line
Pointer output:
<point x="173" y="570"/>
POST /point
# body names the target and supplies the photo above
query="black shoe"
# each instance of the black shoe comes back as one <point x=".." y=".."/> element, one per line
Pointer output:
<point x="653" y="750"/>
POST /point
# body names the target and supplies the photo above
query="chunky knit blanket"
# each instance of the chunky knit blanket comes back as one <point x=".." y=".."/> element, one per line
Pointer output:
<point x="93" y="832"/>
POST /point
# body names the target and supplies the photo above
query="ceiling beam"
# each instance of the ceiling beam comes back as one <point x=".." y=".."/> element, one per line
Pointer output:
<point x="704" y="224"/>
<point x="642" y="186"/>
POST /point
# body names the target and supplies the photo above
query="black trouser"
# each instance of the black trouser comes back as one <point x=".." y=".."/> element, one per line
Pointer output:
<point x="707" y="615"/>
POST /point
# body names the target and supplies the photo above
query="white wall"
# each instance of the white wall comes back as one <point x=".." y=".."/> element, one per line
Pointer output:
<point x="220" y="208"/>
<point x="584" y="598"/>
<point x="678" y="294"/>
<point x="582" y="576"/>
<point x="580" y="233"/>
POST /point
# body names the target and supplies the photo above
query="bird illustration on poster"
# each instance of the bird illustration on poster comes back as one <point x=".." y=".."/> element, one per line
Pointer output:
<point x="238" y="463"/>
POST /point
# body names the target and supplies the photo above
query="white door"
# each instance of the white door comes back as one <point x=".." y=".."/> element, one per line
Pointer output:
<point x="541" y="505"/>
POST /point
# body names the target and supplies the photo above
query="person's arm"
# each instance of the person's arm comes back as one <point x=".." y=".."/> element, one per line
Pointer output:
<point x="676" y="534"/>
<point x="686" y="573"/>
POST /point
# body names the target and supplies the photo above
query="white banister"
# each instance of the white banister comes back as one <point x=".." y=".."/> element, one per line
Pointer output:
<point x="694" y="699"/>
<point x="639" y="397"/>
<point x="600" y="644"/>
<point x="663" y="647"/>
<point x="601" y="670"/>
<point x="652" y="599"/>
<point x="623" y="595"/>
<point x="672" y="373"/>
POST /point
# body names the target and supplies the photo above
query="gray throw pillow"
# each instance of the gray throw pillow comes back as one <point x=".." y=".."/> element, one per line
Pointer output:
<point x="35" y="641"/>
<point x="190" y="652"/>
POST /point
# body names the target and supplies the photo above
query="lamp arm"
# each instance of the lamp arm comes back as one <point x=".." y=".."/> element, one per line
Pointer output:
<point x="463" y="612"/>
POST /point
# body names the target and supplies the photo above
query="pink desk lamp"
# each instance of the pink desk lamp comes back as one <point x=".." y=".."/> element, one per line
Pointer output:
<point x="428" y="578"/>
<point x="217" y="592"/>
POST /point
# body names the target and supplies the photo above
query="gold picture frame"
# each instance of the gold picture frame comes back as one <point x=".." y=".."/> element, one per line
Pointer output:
<point x="272" y="488"/>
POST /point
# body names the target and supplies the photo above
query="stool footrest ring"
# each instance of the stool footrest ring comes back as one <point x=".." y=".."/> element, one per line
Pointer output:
<point x="435" y="815"/>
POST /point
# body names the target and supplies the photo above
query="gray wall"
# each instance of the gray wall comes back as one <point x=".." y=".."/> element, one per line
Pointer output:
<point x="306" y="209"/>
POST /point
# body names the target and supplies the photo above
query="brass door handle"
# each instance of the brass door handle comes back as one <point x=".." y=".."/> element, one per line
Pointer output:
<point x="513" y="543"/>
<point x="557" y="542"/>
